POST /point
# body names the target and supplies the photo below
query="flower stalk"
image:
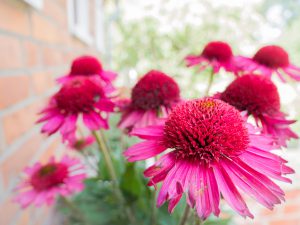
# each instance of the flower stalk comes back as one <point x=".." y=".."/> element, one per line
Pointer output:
<point x="185" y="215"/>
<point x="107" y="157"/>
<point x="210" y="82"/>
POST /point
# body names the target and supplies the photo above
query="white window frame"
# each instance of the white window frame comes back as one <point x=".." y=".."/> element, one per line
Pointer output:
<point x="99" y="26"/>
<point x="38" y="4"/>
<point x="81" y="27"/>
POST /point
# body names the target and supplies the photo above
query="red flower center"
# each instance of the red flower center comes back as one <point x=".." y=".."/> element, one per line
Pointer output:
<point x="217" y="50"/>
<point x="78" y="95"/>
<point x="205" y="130"/>
<point x="48" y="176"/>
<point x="253" y="93"/>
<point x="153" y="90"/>
<point x="272" y="56"/>
<point x="85" y="65"/>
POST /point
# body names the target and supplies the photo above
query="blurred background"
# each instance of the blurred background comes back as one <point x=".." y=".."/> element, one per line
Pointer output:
<point x="39" y="39"/>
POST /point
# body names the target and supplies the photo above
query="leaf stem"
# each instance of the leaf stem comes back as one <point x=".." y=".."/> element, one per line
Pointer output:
<point x="185" y="215"/>
<point x="210" y="82"/>
<point x="106" y="155"/>
<point x="102" y="144"/>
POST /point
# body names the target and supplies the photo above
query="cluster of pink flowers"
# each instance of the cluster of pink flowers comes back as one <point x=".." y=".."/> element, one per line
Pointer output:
<point x="205" y="148"/>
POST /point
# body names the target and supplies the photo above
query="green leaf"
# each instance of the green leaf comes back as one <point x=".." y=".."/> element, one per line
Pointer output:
<point x="131" y="183"/>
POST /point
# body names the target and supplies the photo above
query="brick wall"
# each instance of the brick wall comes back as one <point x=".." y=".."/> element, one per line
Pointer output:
<point x="35" y="47"/>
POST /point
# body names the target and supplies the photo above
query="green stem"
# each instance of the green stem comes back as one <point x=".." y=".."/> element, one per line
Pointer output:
<point x="185" y="215"/>
<point x="198" y="221"/>
<point x="154" y="209"/>
<point x="210" y="81"/>
<point x="107" y="157"/>
<point x="76" y="212"/>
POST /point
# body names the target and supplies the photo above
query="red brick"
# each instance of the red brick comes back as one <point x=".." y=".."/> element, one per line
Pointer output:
<point x="15" y="163"/>
<point x="285" y="221"/>
<point x="292" y="208"/>
<point x="292" y="194"/>
<point x="31" y="55"/>
<point x="19" y="122"/>
<point x="14" y="17"/>
<point x="42" y="82"/>
<point x="24" y="218"/>
<point x="13" y="89"/>
<point x="57" y="13"/>
<point x="10" y="52"/>
<point x="7" y="211"/>
<point x="44" y="30"/>
<point x="53" y="57"/>
<point x="50" y="151"/>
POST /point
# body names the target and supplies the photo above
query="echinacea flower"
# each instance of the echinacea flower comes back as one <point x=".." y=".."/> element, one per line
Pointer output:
<point x="43" y="183"/>
<point x="269" y="60"/>
<point x="216" y="54"/>
<point x="80" y="143"/>
<point x="77" y="97"/>
<point x="152" y="98"/>
<point x="90" y="66"/>
<point x="258" y="96"/>
<point x="209" y="150"/>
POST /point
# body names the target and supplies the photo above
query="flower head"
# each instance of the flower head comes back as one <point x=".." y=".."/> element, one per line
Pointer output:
<point x="216" y="54"/>
<point x="268" y="60"/>
<point x="78" y="96"/>
<point x="151" y="98"/>
<point x="44" y="182"/>
<point x="259" y="97"/>
<point x="91" y="67"/>
<point x="212" y="151"/>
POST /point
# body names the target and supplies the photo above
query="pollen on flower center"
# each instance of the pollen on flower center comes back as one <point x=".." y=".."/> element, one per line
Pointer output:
<point x="217" y="50"/>
<point x="78" y="95"/>
<point x="272" y="56"/>
<point x="50" y="175"/>
<point x="205" y="130"/>
<point x="85" y="65"/>
<point x="254" y="93"/>
<point x="153" y="90"/>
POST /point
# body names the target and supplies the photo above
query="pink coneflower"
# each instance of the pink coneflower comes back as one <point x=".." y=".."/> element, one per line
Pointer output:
<point x="45" y="182"/>
<point x="78" y="97"/>
<point x="80" y="143"/>
<point x="212" y="152"/>
<point x="151" y="99"/>
<point x="269" y="60"/>
<point x="258" y="96"/>
<point x="90" y="66"/>
<point x="216" y="54"/>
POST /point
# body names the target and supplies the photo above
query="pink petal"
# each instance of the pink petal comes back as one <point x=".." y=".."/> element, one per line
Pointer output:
<point x="94" y="121"/>
<point x="53" y="124"/>
<point x="105" y="105"/>
<point x="149" y="133"/>
<point x="230" y="193"/>
<point x="129" y="119"/>
<point x="144" y="150"/>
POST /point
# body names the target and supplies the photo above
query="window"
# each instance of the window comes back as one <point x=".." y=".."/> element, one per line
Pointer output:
<point x="78" y="16"/>
<point x="99" y="29"/>
<point x="38" y="4"/>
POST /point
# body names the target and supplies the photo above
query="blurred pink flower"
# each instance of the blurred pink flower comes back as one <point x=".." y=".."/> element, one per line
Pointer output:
<point x="45" y="182"/>
<point x="90" y="66"/>
<point x="80" y="143"/>
<point x="269" y="60"/>
<point x="258" y="96"/>
<point x="79" y="96"/>
<point x="216" y="54"/>
<point x="152" y="98"/>
<point x="212" y="152"/>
